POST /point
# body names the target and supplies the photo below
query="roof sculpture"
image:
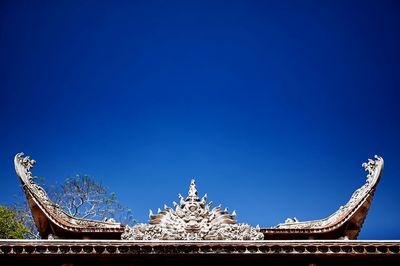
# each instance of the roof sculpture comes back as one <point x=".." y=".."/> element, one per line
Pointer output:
<point x="345" y="223"/>
<point x="50" y="219"/>
<point x="193" y="219"/>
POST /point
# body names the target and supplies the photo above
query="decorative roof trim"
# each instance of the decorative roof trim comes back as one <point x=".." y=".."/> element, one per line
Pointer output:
<point x="192" y="219"/>
<point x="374" y="168"/>
<point x="122" y="248"/>
<point x="52" y="211"/>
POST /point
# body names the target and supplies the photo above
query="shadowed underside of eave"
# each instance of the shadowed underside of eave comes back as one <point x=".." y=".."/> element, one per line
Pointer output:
<point x="111" y="252"/>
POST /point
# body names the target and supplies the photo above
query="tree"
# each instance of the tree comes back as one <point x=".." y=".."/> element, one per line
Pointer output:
<point x="10" y="225"/>
<point x="81" y="196"/>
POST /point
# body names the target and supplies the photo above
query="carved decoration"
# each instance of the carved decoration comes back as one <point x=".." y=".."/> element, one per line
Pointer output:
<point x="23" y="166"/>
<point x="111" y="251"/>
<point x="192" y="219"/>
<point x="373" y="167"/>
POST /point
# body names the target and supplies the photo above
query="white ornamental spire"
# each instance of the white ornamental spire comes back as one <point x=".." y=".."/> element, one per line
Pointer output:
<point x="192" y="219"/>
<point x="192" y="195"/>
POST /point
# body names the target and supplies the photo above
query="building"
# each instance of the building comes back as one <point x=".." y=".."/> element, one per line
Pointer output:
<point x="192" y="232"/>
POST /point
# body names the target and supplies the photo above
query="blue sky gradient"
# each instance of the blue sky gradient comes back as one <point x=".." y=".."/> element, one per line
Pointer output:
<point x="271" y="106"/>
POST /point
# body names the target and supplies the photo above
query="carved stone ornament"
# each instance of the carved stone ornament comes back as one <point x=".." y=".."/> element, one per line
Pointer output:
<point x="192" y="219"/>
<point x="23" y="166"/>
<point x="373" y="168"/>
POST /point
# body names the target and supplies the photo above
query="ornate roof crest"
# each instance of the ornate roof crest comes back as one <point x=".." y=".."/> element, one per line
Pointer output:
<point x="192" y="219"/>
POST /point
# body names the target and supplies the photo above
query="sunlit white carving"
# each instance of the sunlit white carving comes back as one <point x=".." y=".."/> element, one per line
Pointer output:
<point x="192" y="219"/>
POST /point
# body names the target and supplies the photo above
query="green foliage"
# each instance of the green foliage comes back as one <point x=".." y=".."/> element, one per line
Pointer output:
<point x="10" y="225"/>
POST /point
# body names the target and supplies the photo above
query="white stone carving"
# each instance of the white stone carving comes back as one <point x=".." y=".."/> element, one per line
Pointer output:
<point x="192" y="219"/>
<point x="373" y="167"/>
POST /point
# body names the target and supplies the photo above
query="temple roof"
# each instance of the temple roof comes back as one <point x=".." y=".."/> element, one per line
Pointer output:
<point x="194" y="219"/>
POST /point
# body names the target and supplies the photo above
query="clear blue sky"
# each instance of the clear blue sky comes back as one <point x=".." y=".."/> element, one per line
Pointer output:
<point x="271" y="105"/>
